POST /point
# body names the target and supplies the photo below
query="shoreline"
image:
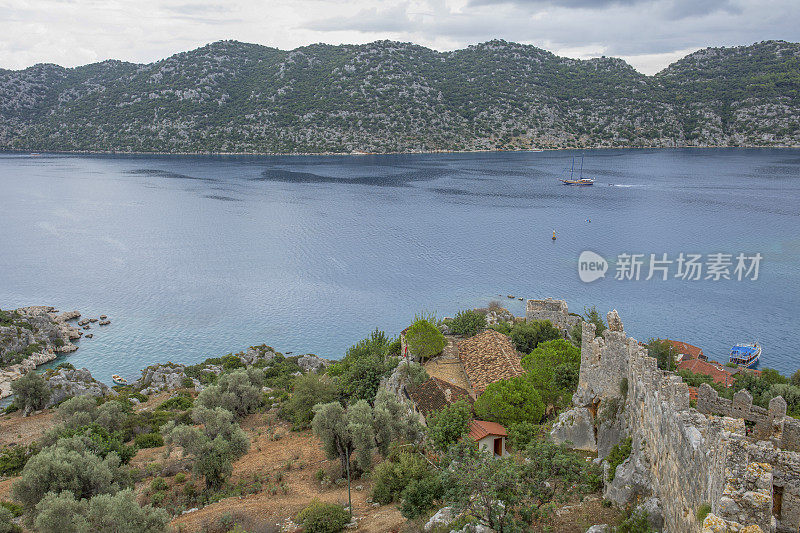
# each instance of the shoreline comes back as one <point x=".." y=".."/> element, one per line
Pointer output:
<point x="411" y="152"/>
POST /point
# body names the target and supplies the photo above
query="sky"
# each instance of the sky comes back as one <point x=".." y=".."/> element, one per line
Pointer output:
<point x="648" y="34"/>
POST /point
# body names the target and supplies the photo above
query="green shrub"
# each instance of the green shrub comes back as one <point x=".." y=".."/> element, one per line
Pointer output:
<point x="309" y="390"/>
<point x="510" y="401"/>
<point x="321" y="517"/>
<point x="148" y="440"/>
<point x="448" y="425"/>
<point x="522" y="433"/>
<point x="14" y="457"/>
<point x="617" y="456"/>
<point x="16" y="510"/>
<point x="526" y="336"/>
<point x="424" y="340"/>
<point x="187" y="383"/>
<point x="702" y="512"/>
<point x="419" y="496"/>
<point x="468" y="322"/>
<point x="238" y="392"/>
<point x="393" y="475"/>
<point x="181" y="402"/>
<point x="180" y="477"/>
<point x="11" y="408"/>
<point x="6" y="524"/>
<point x="636" y="522"/>
<point x="158" y="484"/>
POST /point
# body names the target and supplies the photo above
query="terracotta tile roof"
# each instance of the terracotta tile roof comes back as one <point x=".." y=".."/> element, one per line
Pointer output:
<point x="692" y="393"/>
<point x="488" y="357"/>
<point x="432" y="395"/>
<point x="479" y="429"/>
<point x="686" y="349"/>
<point x="716" y="371"/>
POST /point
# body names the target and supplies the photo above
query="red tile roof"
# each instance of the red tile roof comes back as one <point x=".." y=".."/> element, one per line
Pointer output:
<point x="488" y="357"/>
<point x="716" y="371"/>
<point x="685" y="348"/>
<point x="479" y="429"/>
<point x="432" y="395"/>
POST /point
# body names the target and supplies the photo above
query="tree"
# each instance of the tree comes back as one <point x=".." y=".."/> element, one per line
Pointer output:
<point x="31" y="393"/>
<point x="393" y="421"/>
<point x="239" y="392"/>
<point x="214" y="447"/>
<point x="592" y="315"/>
<point x="358" y="375"/>
<point x="58" y="468"/>
<point x="510" y="401"/>
<point x="446" y="426"/>
<point x="330" y="425"/>
<point x="795" y="380"/>
<point x="309" y="389"/>
<point x="489" y="489"/>
<point x="468" y="322"/>
<point x="553" y="368"/>
<point x="424" y="340"/>
<point x="663" y="352"/>
<point x="62" y="513"/>
<point x="526" y="336"/>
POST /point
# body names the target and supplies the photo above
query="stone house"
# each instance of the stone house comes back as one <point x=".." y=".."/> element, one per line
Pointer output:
<point x="435" y="394"/>
<point x="490" y="436"/>
<point x="488" y="357"/>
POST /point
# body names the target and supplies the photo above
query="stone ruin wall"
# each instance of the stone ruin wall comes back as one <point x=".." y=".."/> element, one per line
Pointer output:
<point x="680" y="456"/>
<point x="555" y="311"/>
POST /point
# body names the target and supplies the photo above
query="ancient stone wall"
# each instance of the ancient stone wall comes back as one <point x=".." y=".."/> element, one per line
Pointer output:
<point x="555" y="311"/>
<point x="683" y="457"/>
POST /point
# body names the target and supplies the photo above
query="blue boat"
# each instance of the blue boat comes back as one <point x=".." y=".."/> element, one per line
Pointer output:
<point x="745" y="355"/>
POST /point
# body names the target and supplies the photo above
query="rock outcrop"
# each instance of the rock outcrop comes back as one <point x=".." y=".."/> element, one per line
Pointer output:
<point x="161" y="377"/>
<point x="311" y="363"/>
<point x="255" y="354"/>
<point x="65" y="383"/>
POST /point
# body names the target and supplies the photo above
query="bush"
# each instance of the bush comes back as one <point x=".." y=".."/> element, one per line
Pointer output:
<point x="321" y="517"/>
<point x="617" y="456"/>
<point x="14" y="457"/>
<point x="158" y="484"/>
<point x="468" y="322"/>
<point x="522" y="433"/>
<point x="95" y="439"/>
<point x="424" y="340"/>
<point x="31" y="393"/>
<point x="148" y="440"/>
<point x="592" y="315"/>
<point x="663" y="352"/>
<point x="180" y="477"/>
<point x="6" y="523"/>
<point x="181" y="402"/>
<point x="510" y="401"/>
<point x="448" y="425"/>
<point x="309" y="389"/>
<point x="392" y="476"/>
<point x="419" y="496"/>
<point x="359" y="373"/>
<point x="526" y="336"/>
<point x="636" y="522"/>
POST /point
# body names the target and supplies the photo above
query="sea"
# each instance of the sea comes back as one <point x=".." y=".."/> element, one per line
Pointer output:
<point x="199" y="256"/>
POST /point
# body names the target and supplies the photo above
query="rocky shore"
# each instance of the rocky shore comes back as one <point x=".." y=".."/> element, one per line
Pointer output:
<point x="32" y="336"/>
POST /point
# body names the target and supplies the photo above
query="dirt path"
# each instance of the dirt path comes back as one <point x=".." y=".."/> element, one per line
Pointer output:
<point x="14" y="429"/>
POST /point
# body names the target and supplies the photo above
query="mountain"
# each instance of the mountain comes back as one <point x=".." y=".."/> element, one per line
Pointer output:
<point x="389" y="96"/>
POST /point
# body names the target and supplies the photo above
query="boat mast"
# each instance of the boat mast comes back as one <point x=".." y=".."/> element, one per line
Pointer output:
<point x="581" y="177"/>
<point x="572" y="169"/>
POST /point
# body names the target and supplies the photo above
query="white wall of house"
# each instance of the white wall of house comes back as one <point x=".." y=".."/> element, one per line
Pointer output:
<point x="487" y="444"/>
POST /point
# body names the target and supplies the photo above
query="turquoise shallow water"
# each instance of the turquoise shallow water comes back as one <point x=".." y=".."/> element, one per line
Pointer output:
<point x="194" y="257"/>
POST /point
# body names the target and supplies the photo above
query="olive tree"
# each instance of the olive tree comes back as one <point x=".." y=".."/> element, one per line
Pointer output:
<point x="239" y="392"/>
<point x="62" y="513"/>
<point x="424" y="340"/>
<point x="31" y="393"/>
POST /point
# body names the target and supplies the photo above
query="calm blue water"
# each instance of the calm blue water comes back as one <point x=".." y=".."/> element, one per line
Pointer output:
<point x="194" y="257"/>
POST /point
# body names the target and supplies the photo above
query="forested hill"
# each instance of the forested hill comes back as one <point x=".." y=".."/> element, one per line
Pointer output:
<point x="388" y="96"/>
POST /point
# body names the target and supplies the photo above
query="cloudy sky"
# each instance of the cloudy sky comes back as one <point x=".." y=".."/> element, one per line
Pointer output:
<point x="649" y="34"/>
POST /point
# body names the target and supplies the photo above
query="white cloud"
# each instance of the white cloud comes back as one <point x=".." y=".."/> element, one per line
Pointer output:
<point x="647" y="33"/>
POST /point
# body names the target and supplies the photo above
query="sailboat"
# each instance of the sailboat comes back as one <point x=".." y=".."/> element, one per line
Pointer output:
<point x="581" y="181"/>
